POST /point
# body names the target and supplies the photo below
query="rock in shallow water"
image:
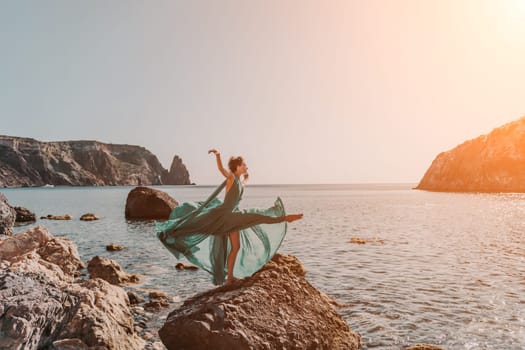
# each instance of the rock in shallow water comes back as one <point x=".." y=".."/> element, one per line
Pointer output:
<point x="424" y="347"/>
<point x="181" y="266"/>
<point x="274" y="309"/>
<point x="24" y="215"/>
<point x="114" y="247"/>
<point x="109" y="270"/>
<point x="57" y="217"/>
<point x="89" y="217"/>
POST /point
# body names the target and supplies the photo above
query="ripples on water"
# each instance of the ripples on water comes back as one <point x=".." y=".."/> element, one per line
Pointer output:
<point x="450" y="272"/>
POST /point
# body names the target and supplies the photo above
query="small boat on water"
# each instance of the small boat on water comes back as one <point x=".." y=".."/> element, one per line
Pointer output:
<point x="48" y="186"/>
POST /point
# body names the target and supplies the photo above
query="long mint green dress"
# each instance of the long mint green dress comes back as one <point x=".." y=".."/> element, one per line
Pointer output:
<point x="200" y="232"/>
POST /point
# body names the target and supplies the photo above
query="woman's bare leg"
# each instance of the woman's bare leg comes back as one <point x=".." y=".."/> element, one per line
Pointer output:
<point x="235" y="242"/>
<point x="293" y="217"/>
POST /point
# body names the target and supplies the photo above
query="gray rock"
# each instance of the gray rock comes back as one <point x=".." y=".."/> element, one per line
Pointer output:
<point x="7" y="216"/>
<point x="148" y="203"/>
<point x="276" y="308"/>
<point x="33" y="311"/>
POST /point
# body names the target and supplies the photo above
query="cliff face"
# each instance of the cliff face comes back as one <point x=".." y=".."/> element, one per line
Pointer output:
<point x="489" y="163"/>
<point x="28" y="162"/>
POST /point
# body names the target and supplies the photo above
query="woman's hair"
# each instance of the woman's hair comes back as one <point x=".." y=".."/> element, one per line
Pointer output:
<point x="234" y="163"/>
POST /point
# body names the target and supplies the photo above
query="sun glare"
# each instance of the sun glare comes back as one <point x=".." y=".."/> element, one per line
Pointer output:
<point x="514" y="13"/>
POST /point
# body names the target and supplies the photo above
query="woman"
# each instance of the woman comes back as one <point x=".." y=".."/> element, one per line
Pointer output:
<point x="215" y="235"/>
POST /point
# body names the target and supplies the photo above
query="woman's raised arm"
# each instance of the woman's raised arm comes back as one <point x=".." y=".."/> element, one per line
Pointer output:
<point x="219" y="162"/>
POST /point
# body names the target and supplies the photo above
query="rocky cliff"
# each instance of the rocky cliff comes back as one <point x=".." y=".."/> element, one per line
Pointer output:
<point x="488" y="163"/>
<point x="28" y="162"/>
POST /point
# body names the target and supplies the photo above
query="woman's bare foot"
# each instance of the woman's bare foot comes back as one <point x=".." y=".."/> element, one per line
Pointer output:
<point x="231" y="280"/>
<point x="293" y="217"/>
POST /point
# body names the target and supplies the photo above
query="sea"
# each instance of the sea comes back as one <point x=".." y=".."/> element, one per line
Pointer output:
<point x="440" y="268"/>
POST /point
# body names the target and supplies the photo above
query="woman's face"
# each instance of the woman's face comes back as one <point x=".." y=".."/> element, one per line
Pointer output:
<point x="243" y="168"/>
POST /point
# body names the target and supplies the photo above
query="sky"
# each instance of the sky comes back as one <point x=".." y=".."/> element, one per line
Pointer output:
<point x="307" y="91"/>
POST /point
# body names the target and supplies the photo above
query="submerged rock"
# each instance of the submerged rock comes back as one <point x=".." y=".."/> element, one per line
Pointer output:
<point x="41" y="306"/>
<point x="423" y="347"/>
<point x="109" y="270"/>
<point x="276" y="308"/>
<point x="114" y="247"/>
<point x="181" y="266"/>
<point x="89" y="217"/>
<point x="7" y="216"/>
<point x="57" y="217"/>
<point x="488" y="163"/>
<point x="148" y="203"/>
<point x="357" y="240"/>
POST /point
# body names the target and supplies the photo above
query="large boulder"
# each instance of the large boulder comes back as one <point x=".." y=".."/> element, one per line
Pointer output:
<point x="274" y="309"/>
<point x="147" y="203"/>
<point x="488" y="163"/>
<point x="40" y="304"/>
<point x="110" y="271"/>
<point x="7" y="216"/>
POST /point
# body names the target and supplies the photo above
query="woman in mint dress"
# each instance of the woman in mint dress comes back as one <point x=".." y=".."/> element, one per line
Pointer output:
<point x="219" y="237"/>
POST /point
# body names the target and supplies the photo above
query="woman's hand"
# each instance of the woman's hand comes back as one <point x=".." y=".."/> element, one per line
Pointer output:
<point x="214" y="151"/>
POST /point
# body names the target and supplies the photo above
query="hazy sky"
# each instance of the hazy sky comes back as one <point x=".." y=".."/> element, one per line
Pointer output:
<point x="307" y="91"/>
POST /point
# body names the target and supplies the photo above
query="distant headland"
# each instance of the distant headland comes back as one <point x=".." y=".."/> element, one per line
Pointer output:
<point x="489" y="163"/>
<point x="26" y="162"/>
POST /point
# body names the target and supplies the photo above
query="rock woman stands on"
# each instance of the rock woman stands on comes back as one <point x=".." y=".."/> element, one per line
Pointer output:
<point x="219" y="237"/>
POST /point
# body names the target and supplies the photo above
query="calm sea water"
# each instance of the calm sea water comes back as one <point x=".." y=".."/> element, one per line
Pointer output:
<point x="450" y="270"/>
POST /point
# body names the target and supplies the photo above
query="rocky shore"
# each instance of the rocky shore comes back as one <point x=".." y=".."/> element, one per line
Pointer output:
<point x="488" y="163"/>
<point x="28" y="162"/>
<point x="45" y="302"/>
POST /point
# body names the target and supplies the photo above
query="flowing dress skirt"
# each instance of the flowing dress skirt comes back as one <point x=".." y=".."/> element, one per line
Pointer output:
<point x="200" y="233"/>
